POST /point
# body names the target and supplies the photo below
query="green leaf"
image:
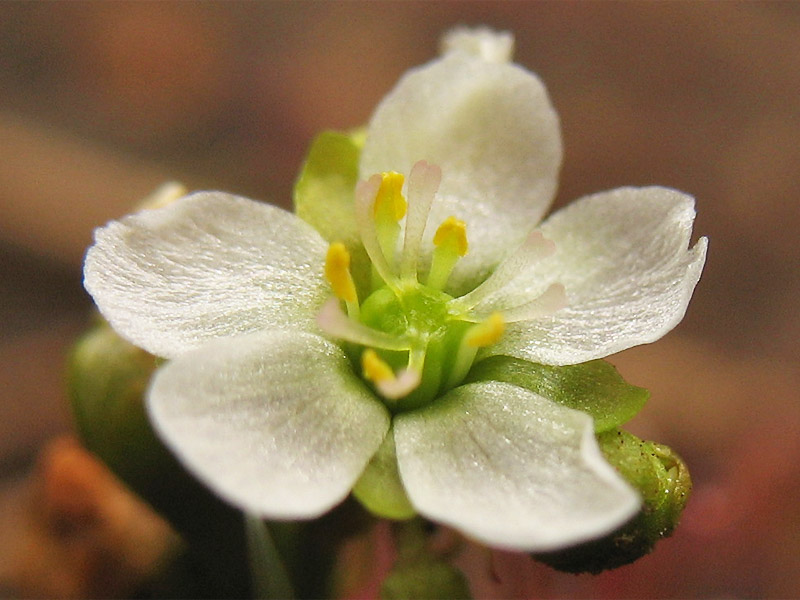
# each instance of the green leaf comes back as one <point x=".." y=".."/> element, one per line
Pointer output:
<point x="324" y="194"/>
<point x="594" y="387"/>
<point x="664" y="482"/>
<point x="380" y="489"/>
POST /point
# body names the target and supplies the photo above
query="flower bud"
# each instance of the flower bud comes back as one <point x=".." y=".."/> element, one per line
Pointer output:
<point x="427" y="579"/>
<point x="107" y="377"/>
<point x="661" y="478"/>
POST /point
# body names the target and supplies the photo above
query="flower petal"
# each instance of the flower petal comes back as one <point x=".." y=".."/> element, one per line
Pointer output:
<point x="623" y="258"/>
<point x="207" y="266"/>
<point x="491" y="128"/>
<point x="274" y="422"/>
<point x="510" y="468"/>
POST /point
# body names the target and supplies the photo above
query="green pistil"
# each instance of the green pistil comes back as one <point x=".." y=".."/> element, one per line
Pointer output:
<point x="412" y="341"/>
<point x="420" y="314"/>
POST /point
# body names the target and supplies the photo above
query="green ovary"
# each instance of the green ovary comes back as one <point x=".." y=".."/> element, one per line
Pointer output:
<point x="420" y="314"/>
<point x="409" y="339"/>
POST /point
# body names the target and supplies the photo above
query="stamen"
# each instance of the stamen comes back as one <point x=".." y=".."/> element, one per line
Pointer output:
<point x="553" y="299"/>
<point x="423" y="183"/>
<point x="451" y="244"/>
<point x="389" y="208"/>
<point x="389" y="199"/>
<point x="366" y="193"/>
<point x="532" y="250"/>
<point x="375" y="368"/>
<point x="478" y="336"/>
<point x="487" y="333"/>
<point x="164" y="195"/>
<point x="336" y="324"/>
<point x="389" y="385"/>
<point x="337" y="272"/>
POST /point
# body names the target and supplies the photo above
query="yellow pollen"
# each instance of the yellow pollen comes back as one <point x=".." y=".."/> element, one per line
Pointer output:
<point x="375" y="368"/>
<point x="487" y="333"/>
<point x="337" y="272"/>
<point x="389" y="200"/>
<point x="453" y="232"/>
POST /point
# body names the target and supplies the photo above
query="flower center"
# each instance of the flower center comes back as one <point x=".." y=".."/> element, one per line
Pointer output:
<point x="413" y="340"/>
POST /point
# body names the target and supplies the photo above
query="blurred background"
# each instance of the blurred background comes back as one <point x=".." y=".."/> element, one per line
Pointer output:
<point x="102" y="102"/>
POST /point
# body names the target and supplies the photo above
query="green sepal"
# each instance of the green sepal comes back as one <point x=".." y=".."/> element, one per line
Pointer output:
<point x="594" y="387"/>
<point x="380" y="488"/>
<point x="664" y="483"/>
<point x="324" y="195"/>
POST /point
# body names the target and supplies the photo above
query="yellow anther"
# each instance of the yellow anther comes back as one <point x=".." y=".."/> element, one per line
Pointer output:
<point x="375" y="368"/>
<point x="337" y="272"/>
<point x="389" y="200"/>
<point x="451" y="244"/>
<point x="453" y="232"/>
<point x="165" y="195"/>
<point x="487" y="333"/>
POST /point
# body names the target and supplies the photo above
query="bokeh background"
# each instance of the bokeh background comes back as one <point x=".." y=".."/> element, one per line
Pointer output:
<point x="102" y="102"/>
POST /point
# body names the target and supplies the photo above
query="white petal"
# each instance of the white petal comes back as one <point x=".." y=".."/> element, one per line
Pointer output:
<point x="276" y="423"/>
<point x="624" y="261"/>
<point x="492" y="130"/>
<point x="510" y="468"/>
<point x="207" y="266"/>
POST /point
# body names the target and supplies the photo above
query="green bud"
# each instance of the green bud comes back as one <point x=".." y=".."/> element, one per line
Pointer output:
<point x="107" y="378"/>
<point x="432" y="579"/>
<point x="419" y="573"/>
<point x="661" y="478"/>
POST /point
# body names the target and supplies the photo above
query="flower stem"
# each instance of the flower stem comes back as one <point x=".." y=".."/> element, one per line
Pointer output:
<point x="267" y="571"/>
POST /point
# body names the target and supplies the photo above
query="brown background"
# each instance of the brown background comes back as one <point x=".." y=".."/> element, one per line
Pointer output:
<point x="101" y="102"/>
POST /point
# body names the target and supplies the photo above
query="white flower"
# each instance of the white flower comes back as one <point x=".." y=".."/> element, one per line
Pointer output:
<point x="262" y="402"/>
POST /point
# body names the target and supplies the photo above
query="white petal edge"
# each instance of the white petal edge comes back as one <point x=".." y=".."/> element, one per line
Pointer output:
<point x="624" y="259"/>
<point x="510" y="469"/>
<point x="275" y="423"/>
<point x="494" y="133"/>
<point x="206" y="266"/>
